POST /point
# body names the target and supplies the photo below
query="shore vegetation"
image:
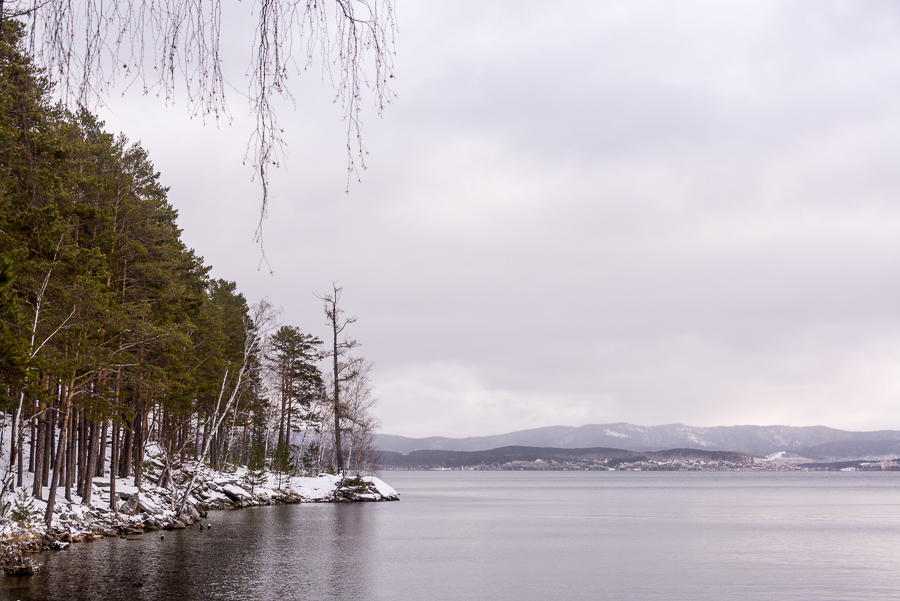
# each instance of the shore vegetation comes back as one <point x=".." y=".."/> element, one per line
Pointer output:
<point x="125" y="366"/>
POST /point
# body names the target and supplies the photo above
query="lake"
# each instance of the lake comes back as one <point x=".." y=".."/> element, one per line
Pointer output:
<point x="504" y="536"/>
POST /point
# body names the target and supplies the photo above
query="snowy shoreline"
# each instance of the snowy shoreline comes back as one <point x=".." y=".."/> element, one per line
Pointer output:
<point x="155" y="507"/>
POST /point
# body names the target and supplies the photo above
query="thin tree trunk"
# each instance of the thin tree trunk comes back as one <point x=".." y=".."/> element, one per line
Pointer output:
<point x="101" y="456"/>
<point x="82" y="453"/>
<point x="52" y="414"/>
<point x="113" y="465"/>
<point x="338" y="454"/>
<point x="90" y="466"/>
<point x="244" y="444"/>
<point x="48" y="447"/>
<point x="70" y="455"/>
<point x="197" y="439"/>
<point x="20" y="476"/>
<point x="32" y="449"/>
<point x="125" y="470"/>
<point x="38" y="447"/>
<point x="138" y="448"/>
<point x="54" y="483"/>
<point x="281" y="417"/>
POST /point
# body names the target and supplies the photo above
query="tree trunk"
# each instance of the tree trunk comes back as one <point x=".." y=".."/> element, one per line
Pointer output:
<point x="32" y="449"/>
<point x="125" y="469"/>
<point x="138" y="449"/>
<point x="338" y="454"/>
<point x="48" y="447"/>
<point x="20" y="476"/>
<point x="82" y="453"/>
<point x="113" y="466"/>
<point x="70" y="455"/>
<point x="244" y="444"/>
<point x="101" y="456"/>
<point x="38" y="449"/>
<point x="52" y="415"/>
<point x="54" y="483"/>
<point x="281" y="417"/>
<point x="90" y="466"/>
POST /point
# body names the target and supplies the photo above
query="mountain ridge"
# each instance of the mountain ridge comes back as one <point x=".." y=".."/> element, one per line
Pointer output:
<point x="824" y="442"/>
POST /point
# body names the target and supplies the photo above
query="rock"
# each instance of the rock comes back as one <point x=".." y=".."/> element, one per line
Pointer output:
<point x="131" y="506"/>
<point x="48" y="539"/>
<point x="386" y="491"/>
<point x="189" y="515"/>
<point x="236" y="493"/>
<point x="175" y="525"/>
<point x="147" y="505"/>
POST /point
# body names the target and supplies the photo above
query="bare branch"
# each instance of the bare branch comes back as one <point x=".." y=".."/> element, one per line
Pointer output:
<point x="162" y="47"/>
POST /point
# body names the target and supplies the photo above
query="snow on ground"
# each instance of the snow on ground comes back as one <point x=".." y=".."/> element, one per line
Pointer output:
<point x="787" y="457"/>
<point x="383" y="488"/>
<point x="155" y="507"/>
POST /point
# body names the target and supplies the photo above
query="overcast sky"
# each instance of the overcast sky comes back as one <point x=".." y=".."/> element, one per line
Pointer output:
<point x="586" y="212"/>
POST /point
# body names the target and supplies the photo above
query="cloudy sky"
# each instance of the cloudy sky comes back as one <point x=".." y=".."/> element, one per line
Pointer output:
<point x="585" y="212"/>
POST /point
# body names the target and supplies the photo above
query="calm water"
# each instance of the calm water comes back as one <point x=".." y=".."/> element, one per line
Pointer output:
<point x="521" y="536"/>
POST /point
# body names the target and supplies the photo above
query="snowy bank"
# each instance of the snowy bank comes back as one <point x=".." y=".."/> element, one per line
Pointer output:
<point x="155" y="507"/>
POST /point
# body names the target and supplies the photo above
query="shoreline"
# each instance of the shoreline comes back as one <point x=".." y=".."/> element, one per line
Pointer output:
<point x="154" y="507"/>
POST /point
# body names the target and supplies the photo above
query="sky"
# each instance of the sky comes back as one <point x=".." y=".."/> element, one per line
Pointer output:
<point x="583" y="212"/>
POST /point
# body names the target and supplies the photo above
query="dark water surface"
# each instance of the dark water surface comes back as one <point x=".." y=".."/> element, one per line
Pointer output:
<point x="503" y="536"/>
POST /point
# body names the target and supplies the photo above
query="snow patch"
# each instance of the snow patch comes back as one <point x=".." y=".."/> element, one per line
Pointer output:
<point x="615" y="434"/>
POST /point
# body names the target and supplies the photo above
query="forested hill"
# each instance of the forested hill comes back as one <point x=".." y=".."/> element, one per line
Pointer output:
<point x="812" y="441"/>
<point x="506" y="456"/>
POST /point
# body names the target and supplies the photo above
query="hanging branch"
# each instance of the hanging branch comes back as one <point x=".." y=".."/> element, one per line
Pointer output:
<point x="91" y="47"/>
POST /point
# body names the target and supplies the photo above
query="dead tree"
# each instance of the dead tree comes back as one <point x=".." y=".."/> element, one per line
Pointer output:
<point x="343" y="367"/>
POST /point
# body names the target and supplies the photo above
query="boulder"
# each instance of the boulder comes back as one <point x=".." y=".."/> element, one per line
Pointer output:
<point x="147" y="505"/>
<point x="131" y="506"/>
<point x="236" y="493"/>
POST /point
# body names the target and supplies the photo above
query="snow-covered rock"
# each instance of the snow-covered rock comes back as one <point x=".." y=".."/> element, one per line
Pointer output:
<point x="236" y="493"/>
<point x="154" y="507"/>
<point x="386" y="491"/>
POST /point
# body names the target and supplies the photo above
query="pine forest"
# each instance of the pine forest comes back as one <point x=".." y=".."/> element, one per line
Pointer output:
<point x="114" y="337"/>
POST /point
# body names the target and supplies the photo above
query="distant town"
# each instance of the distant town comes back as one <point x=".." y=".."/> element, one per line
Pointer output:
<point x="682" y="460"/>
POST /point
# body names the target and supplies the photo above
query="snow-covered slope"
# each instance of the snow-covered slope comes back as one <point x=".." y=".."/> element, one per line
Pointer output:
<point x="757" y="440"/>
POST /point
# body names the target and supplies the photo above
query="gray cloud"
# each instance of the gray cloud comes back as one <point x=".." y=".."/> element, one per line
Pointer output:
<point x="577" y="211"/>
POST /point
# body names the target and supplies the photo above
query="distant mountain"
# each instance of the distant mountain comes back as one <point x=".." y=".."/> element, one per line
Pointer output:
<point x="846" y="450"/>
<point x="429" y="459"/>
<point x="809" y="441"/>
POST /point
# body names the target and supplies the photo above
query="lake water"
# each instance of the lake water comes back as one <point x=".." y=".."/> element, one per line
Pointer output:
<point x="503" y="536"/>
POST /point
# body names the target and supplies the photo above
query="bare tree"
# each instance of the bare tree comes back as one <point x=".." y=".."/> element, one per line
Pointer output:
<point x="34" y="347"/>
<point x="361" y="423"/>
<point x="343" y="367"/>
<point x="92" y="46"/>
<point x="256" y="331"/>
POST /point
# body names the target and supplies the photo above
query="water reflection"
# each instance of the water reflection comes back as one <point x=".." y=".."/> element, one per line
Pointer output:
<point x="287" y="552"/>
<point x="521" y="537"/>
